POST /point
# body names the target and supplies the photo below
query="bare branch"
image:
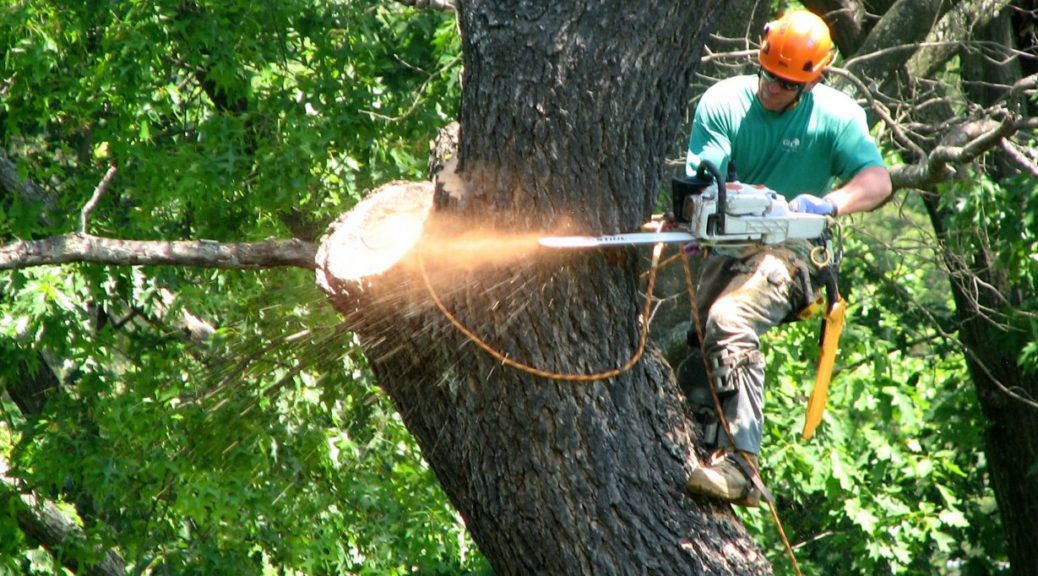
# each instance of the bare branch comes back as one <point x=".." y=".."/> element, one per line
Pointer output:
<point x="196" y="328"/>
<point x="882" y="112"/>
<point x="866" y="57"/>
<point x="905" y="25"/>
<point x="68" y="248"/>
<point x="1022" y="160"/>
<point x="977" y="145"/>
<point x="429" y="4"/>
<point x="84" y="214"/>
<point x="1021" y="86"/>
<point x="936" y="167"/>
<point x="711" y="56"/>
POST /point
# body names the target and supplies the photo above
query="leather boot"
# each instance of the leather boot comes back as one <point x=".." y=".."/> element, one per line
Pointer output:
<point x="723" y="478"/>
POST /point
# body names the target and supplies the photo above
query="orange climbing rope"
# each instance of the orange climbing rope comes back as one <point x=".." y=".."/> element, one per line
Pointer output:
<point x="756" y="479"/>
<point x="657" y="250"/>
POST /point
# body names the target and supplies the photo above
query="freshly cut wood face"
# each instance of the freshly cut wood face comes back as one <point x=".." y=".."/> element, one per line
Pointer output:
<point x="378" y="232"/>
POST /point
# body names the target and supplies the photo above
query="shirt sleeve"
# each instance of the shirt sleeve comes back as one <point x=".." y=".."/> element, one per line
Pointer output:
<point x="710" y="139"/>
<point x="855" y="148"/>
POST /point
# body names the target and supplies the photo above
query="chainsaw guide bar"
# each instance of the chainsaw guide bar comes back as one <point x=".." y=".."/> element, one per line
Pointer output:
<point x="632" y="238"/>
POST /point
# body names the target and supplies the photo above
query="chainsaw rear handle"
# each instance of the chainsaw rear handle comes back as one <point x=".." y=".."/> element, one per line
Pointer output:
<point x="684" y="186"/>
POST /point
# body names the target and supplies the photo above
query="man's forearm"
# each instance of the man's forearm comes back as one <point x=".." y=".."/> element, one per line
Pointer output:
<point x="869" y="188"/>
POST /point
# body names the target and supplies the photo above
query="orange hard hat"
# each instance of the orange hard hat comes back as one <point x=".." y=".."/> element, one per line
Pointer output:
<point x="796" y="47"/>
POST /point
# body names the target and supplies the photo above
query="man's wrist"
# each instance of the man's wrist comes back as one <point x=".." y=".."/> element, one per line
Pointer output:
<point x="832" y="204"/>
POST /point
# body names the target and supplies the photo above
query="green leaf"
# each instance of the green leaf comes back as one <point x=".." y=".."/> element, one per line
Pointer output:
<point x="954" y="518"/>
<point x="860" y="515"/>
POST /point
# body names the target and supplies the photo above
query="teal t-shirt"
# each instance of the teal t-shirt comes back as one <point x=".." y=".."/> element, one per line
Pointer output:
<point x="802" y="150"/>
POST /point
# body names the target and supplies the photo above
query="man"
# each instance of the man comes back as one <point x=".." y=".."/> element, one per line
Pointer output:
<point x="785" y="130"/>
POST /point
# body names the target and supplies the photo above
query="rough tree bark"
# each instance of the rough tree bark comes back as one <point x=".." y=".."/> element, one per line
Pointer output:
<point x="568" y="112"/>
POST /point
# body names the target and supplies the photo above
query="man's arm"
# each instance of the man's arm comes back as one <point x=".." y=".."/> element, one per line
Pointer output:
<point x="707" y="144"/>
<point x="867" y="190"/>
<point x="710" y="138"/>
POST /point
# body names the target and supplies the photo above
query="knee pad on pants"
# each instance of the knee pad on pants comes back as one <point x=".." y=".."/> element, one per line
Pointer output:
<point x="724" y="368"/>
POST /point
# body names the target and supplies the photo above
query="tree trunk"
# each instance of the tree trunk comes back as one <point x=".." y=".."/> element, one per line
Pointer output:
<point x="568" y="112"/>
<point x="1012" y="438"/>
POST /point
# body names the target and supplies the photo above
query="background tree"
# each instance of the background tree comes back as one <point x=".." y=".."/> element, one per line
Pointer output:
<point x="981" y="218"/>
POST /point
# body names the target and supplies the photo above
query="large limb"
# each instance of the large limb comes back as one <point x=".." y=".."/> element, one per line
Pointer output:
<point x="907" y="23"/>
<point x="940" y="164"/>
<point x="77" y="247"/>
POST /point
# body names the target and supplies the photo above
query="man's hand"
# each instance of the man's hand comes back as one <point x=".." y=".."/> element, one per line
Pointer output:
<point x="813" y="205"/>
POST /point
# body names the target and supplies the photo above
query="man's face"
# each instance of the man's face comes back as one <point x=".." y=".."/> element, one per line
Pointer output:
<point x="776" y="94"/>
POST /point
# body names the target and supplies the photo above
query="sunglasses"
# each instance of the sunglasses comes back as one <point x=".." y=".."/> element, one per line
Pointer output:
<point x="782" y="82"/>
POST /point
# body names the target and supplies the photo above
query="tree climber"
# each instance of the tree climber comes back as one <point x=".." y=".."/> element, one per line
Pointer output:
<point x="783" y="129"/>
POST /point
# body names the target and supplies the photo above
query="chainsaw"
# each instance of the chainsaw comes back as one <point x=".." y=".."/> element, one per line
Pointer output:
<point x="709" y="212"/>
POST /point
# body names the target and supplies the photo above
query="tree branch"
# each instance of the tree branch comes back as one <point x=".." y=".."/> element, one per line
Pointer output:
<point x="84" y="214"/>
<point x="881" y="112"/>
<point x="956" y="28"/>
<point x="429" y="4"/>
<point x="905" y="25"/>
<point x="68" y="248"/>
<point x="44" y="523"/>
<point x="198" y="330"/>
<point x="935" y="167"/>
<point x="1021" y="160"/>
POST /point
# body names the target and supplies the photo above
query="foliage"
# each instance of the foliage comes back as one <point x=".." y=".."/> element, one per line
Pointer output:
<point x="272" y="453"/>
<point x="217" y="110"/>
<point x="264" y="446"/>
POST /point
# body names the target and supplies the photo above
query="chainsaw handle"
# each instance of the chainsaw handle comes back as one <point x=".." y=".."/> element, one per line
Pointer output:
<point x="705" y="167"/>
<point x="684" y="186"/>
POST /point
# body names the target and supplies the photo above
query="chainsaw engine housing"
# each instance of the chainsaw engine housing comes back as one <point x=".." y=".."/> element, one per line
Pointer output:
<point x="740" y="213"/>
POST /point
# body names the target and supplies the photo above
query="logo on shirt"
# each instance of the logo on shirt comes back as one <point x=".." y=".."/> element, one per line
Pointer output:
<point x="790" y="144"/>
